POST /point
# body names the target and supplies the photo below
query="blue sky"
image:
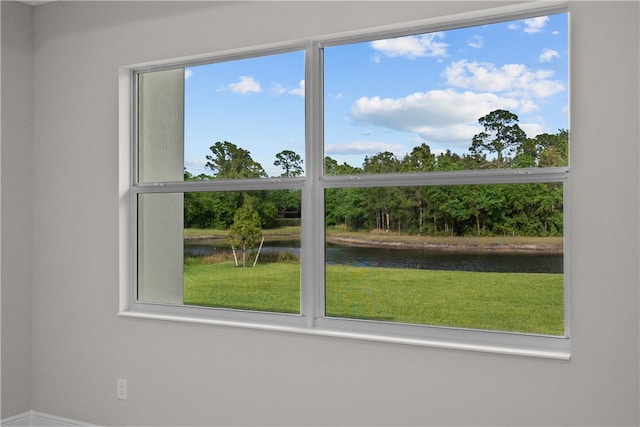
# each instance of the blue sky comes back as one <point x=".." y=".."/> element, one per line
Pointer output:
<point x="386" y="95"/>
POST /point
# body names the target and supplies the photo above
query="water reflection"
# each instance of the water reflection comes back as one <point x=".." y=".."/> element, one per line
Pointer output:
<point x="408" y="258"/>
<point x="438" y="260"/>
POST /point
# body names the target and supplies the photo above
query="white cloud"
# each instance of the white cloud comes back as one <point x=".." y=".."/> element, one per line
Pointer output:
<point x="278" y="89"/>
<point x="510" y="79"/>
<point x="299" y="91"/>
<point x="532" y="129"/>
<point x="535" y="25"/>
<point x="362" y="147"/>
<point x="547" y="55"/>
<point x="513" y="26"/>
<point x="435" y="107"/>
<point x="187" y="73"/>
<point x="476" y="42"/>
<point x="458" y="135"/>
<point x="411" y="47"/>
<point x="438" y="115"/>
<point x="527" y="105"/>
<point x="246" y="85"/>
<point x="444" y="119"/>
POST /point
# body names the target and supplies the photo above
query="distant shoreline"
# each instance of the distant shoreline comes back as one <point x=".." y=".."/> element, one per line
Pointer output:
<point x="549" y="245"/>
<point x="451" y="245"/>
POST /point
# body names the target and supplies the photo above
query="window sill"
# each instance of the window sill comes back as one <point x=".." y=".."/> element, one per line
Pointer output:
<point x="548" y="347"/>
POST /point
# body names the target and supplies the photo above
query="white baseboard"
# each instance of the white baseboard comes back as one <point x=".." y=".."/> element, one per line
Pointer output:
<point x="38" y="419"/>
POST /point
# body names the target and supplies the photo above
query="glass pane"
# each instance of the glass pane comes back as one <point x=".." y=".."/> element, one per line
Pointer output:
<point x="245" y="118"/>
<point x="238" y="250"/>
<point x="470" y="256"/>
<point x="491" y="96"/>
<point x="227" y="120"/>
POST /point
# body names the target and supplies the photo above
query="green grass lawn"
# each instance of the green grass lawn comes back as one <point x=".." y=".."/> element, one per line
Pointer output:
<point x="265" y="287"/>
<point x="518" y="302"/>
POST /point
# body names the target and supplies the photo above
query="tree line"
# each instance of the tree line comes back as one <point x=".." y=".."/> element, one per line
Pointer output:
<point x="492" y="209"/>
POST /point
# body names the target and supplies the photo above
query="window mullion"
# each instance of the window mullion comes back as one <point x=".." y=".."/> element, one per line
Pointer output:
<point x="496" y="176"/>
<point x="312" y="244"/>
<point x="221" y="185"/>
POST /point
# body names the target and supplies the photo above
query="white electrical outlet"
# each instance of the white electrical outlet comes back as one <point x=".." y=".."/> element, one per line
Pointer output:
<point x="121" y="392"/>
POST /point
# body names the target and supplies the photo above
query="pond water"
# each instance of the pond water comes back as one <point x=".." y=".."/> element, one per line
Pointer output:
<point x="409" y="258"/>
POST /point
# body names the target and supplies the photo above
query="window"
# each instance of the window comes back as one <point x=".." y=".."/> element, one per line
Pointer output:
<point x="403" y="185"/>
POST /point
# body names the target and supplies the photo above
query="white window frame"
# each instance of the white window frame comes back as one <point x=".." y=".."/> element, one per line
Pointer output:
<point x="312" y="318"/>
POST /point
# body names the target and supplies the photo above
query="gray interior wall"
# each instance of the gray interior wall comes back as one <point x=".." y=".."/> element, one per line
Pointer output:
<point x="185" y="374"/>
<point x="16" y="192"/>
